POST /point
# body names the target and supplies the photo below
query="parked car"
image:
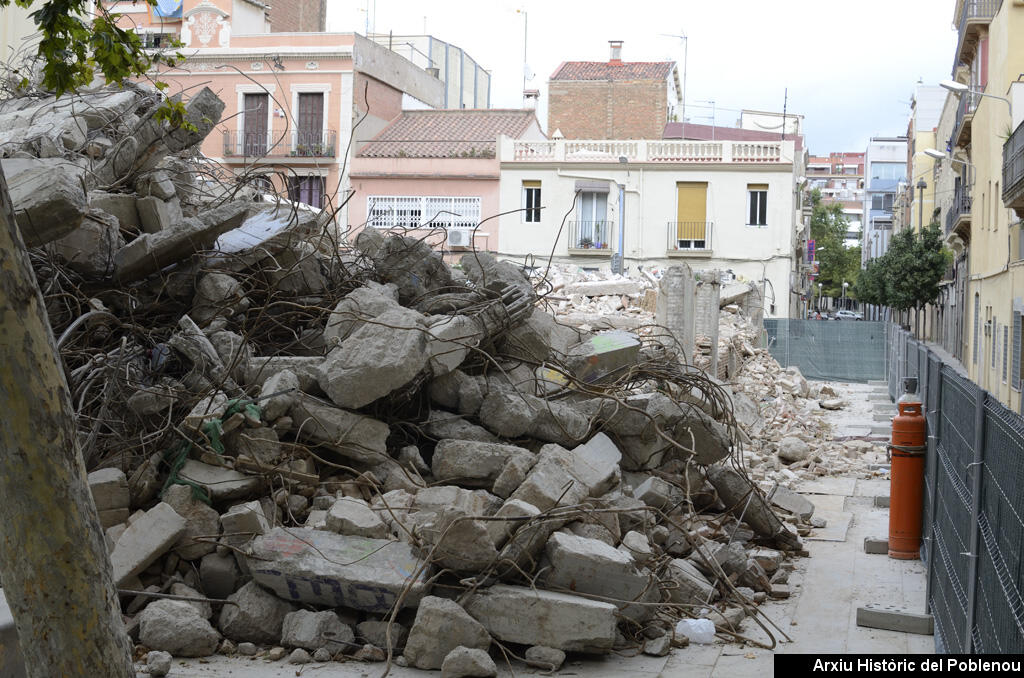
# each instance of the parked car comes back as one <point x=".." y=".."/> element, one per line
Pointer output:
<point x="848" y="315"/>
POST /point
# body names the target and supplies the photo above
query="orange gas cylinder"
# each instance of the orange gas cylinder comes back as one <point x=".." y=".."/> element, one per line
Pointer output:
<point x="906" y="493"/>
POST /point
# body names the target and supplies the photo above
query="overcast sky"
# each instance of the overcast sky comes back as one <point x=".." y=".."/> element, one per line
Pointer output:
<point x="850" y="67"/>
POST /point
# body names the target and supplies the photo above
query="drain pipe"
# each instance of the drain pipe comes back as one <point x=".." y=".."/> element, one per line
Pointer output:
<point x="622" y="224"/>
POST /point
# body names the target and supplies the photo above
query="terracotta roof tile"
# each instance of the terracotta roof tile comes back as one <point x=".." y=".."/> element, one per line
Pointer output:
<point x="467" y="133"/>
<point x="604" y="70"/>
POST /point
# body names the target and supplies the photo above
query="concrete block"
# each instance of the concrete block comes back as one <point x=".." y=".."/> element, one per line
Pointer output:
<point x="895" y="619"/>
<point x="176" y="626"/>
<point x="375" y="633"/>
<point x="156" y="215"/>
<point x="499" y="530"/>
<point x="120" y="205"/>
<point x="788" y="500"/>
<point x="144" y="541"/>
<point x="513" y="415"/>
<point x="376" y="359"/>
<point x="354" y="436"/>
<point x="313" y="630"/>
<point x="361" y="304"/>
<point x="550" y="483"/>
<point x="354" y="517"/>
<point x="603" y="355"/>
<point x="48" y="197"/>
<point x="691" y="586"/>
<point x="332" y="570"/>
<point x="201" y="520"/>
<point x="528" y="616"/>
<point x="256" y="617"/>
<point x="244" y="522"/>
<point x="221" y="484"/>
<point x="474" y="464"/>
<point x="90" y="248"/>
<point x="442" y="625"/>
<point x="591" y="566"/>
<point x="876" y="545"/>
<point x="109" y="487"/>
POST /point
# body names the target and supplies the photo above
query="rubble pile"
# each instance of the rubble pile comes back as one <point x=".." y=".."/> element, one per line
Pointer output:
<point x="307" y="451"/>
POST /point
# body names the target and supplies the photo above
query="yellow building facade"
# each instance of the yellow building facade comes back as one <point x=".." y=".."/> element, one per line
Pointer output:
<point x="989" y="61"/>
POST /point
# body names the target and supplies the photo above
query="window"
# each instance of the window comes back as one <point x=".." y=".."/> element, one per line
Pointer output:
<point x="977" y="328"/>
<point x="1016" y="375"/>
<point x="690" y="231"/>
<point x="1006" y="349"/>
<point x="309" y="135"/>
<point x="887" y="175"/>
<point x="757" y="204"/>
<point x="157" y="40"/>
<point x="995" y="340"/>
<point x="531" y="202"/>
<point x="415" y="211"/>
<point x="307" y="190"/>
<point x="593" y="229"/>
<point x="882" y="202"/>
<point x="254" y="124"/>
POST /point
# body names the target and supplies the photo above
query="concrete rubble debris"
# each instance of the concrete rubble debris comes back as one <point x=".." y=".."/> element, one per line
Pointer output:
<point x="441" y="626"/>
<point x="292" y="417"/>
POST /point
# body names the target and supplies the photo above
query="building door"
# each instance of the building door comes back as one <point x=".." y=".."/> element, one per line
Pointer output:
<point x="691" y="215"/>
<point x="310" y="124"/>
<point x="254" y="134"/>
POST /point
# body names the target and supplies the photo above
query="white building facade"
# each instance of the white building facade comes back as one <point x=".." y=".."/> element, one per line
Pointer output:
<point x="730" y="205"/>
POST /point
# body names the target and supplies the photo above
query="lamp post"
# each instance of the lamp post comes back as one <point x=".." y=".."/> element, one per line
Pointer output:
<point x="959" y="88"/>
<point x="819" y="297"/>
<point x="843" y="300"/>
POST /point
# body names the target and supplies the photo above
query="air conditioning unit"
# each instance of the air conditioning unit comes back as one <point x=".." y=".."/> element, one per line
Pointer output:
<point x="460" y="237"/>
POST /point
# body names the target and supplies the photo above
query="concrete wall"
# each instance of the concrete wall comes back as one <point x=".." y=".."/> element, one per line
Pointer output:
<point x="608" y="109"/>
<point x="397" y="71"/>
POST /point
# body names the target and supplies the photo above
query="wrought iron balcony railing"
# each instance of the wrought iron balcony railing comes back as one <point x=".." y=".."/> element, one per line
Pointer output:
<point x="281" y="143"/>
<point x="591" y="235"/>
<point x="687" y="236"/>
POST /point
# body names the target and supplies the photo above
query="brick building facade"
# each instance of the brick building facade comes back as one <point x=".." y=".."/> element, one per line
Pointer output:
<point x="298" y="16"/>
<point x="613" y="99"/>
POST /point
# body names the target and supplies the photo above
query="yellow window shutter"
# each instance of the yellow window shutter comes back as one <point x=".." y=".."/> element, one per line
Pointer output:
<point x="531" y="184"/>
<point x="757" y="187"/>
<point x="692" y="201"/>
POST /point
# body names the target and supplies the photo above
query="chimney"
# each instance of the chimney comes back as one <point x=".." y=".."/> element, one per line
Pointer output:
<point x="530" y="98"/>
<point x="616" y="51"/>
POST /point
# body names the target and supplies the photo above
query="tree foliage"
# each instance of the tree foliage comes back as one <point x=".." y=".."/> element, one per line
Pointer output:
<point x="907" y="276"/>
<point x="75" y="48"/>
<point x="837" y="263"/>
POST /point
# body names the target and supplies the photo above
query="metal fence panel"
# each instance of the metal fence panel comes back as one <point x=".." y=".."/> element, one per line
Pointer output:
<point x="976" y="598"/>
<point x="841" y="350"/>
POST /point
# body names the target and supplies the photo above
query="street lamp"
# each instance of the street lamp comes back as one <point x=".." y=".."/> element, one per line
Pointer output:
<point x="819" y="296"/>
<point x="843" y="300"/>
<point x="959" y="88"/>
<point x="921" y="185"/>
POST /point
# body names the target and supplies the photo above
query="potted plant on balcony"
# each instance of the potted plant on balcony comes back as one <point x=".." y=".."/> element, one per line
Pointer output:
<point x="585" y="244"/>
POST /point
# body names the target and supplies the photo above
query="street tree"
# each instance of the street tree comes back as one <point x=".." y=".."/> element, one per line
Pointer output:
<point x="837" y="263"/>
<point x="54" y="565"/>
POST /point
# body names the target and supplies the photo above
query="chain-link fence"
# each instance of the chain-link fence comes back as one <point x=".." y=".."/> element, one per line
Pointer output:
<point x="845" y="350"/>
<point x="974" y="503"/>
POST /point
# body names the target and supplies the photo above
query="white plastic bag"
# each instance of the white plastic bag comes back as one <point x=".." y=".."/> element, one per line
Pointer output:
<point x="700" y="631"/>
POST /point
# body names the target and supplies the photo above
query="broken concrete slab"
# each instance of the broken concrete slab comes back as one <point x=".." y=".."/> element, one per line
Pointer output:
<point x="475" y="464"/>
<point x="591" y="566"/>
<point x="362" y="303"/>
<point x="601" y="288"/>
<point x="513" y="415"/>
<point x="380" y="356"/>
<point x="441" y="625"/>
<point x="151" y="252"/>
<point x="351" y="435"/>
<point x="313" y="630"/>
<point x="691" y="586"/>
<point x="156" y="215"/>
<point x="144" y="541"/>
<point x="177" y="627"/>
<point x="109" y="488"/>
<point x="256" y="617"/>
<point x="89" y="249"/>
<point x="603" y="355"/>
<point x="333" y="570"/>
<point x="201" y="520"/>
<point x="48" y="197"/>
<point x="221" y="484"/>
<point x="735" y="491"/>
<point x="528" y="616"/>
<point x="243" y="522"/>
<point x="788" y="500"/>
<point x="354" y="517"/>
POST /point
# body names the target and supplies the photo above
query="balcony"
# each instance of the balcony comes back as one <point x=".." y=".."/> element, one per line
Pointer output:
<point x="964" y="116"/>
<point x="590" y="238"/>
<point x="648" y="151"/>
<point x="241" y="146"/>
<point x="1013" y="171"/>
<point x="958" y="216"/>
<point x="689" y="238"/>
<point x="974" y="15"/>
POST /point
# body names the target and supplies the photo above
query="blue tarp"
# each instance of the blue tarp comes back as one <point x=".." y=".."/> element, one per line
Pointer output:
<point x="170" y="9"/>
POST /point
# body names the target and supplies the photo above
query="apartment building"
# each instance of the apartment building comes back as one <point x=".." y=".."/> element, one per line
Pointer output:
<point x="435" y="175"/>
<point x="299" y="105"/>
<point x="726" y="204"/>
<point x="987" y="159"/>
<point x="612" y="99"/>
<point x="885" y="165"/>
<point x="839" y="177"/>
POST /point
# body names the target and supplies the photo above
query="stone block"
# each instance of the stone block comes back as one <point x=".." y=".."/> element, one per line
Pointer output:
<point x="876" y="545"/>
<point x="797" y="504"/>
<point x="465" y="662"/>
<point x="895" y="619"/>
<point x="256" y="617"/>
<point x="221" y="484"/>
<point x="441" y="625"/>
<point x="474" y="464"/>
<point x="313" y="630"/>
<point x="354" y="517"/>
<point x="47" y="196"/>
<point x="145" y="540"/>
<point x="109" y="487"/>
<point x="529" y="616"/>
<point x="177" y="627"/>
<point x="333" y="570"/>
<point x="156" y="215"/>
